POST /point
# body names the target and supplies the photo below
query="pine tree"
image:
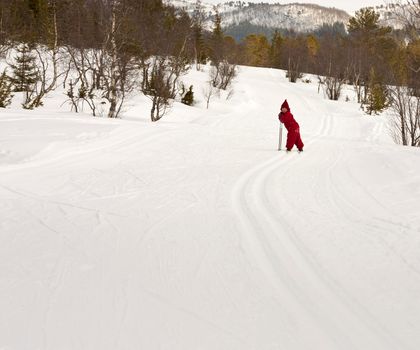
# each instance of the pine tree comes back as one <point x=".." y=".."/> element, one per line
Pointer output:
<point x="25" y="73"/>
<point x="377" y="97"/>
<point x="257" y="50"/>
<point x="5" y="90"/>
<point x="367" y="37"/>
<point x="365" y="22"/>
<point x="216" y="41"/>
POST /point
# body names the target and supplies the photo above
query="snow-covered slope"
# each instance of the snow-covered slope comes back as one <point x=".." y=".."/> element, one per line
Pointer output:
<point x="196" y="233"/>
<point x="208" y="8"/>
<point x="299" y="17"/>
<point x="296" y="16"/>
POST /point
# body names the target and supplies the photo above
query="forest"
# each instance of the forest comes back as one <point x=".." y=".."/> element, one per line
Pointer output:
<point x="119" y="46"/>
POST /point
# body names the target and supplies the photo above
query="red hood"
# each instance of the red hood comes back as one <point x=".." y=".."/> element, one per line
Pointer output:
<point x="285" y="105"/>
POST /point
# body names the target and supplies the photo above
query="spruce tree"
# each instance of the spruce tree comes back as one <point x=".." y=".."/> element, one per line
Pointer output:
<point x="377" y="97"/>
<point x="25" y="73"/>
<point x="5" y="90"/>
<point x="257" y="50"/>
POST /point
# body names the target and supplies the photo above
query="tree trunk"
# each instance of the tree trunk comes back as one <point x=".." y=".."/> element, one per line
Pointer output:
<point x="114" y="69"/>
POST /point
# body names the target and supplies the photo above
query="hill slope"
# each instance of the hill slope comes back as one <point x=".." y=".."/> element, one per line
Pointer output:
<point x="196" y="233"/>
<point x="299" y="17"/>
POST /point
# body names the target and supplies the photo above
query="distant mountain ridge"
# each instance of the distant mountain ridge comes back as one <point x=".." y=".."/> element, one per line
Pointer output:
<point x="294" y="16"/>
<point x="299" y="17"/>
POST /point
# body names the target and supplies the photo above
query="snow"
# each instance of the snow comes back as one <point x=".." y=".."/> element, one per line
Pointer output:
<point x="300" y="17"/>
<point x="196" y="233"/>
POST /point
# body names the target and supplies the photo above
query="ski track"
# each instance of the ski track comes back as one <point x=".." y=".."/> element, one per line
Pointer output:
<point x="352" y="213"/>
<point x="329" y="316"/>
<point x="118" y="140"/>
<point x="354" y="317"/>
<point x="258" y="235"/>
<point x="289" y="264"/>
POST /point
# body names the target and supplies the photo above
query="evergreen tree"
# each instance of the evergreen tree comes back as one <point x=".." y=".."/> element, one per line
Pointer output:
<point x="5" y="90"/>
<point x="365" y="21"/>
<point x="216" y="41"/>
<point x="257" y="50"/>
<point x="367" y="38"/>
<point x="25" y="73"/>
<point x="377" y="97"/>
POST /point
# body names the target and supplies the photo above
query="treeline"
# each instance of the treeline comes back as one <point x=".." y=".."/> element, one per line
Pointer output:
<point x="102" y="50"/>
<point x="114" y="46"/>
<point x="365" y="54"/>
<point x="142" y="26"/>
<point x="382" y="64"/>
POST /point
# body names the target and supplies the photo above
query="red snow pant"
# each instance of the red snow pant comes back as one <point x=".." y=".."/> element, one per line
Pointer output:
<point x="293" y="138"/>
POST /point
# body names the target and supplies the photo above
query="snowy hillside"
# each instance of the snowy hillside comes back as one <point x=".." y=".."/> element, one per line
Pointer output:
<point x="209" y="9"/>
<point x="299" y="17"/>
<point x="196" y="233"/>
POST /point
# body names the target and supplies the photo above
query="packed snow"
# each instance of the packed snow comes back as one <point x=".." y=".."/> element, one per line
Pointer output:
<point x="196" y="233"/>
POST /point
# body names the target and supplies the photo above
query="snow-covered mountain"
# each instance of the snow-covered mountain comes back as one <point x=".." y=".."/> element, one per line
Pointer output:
<point x="208" y="8"/>
<point x="299" y="17"/>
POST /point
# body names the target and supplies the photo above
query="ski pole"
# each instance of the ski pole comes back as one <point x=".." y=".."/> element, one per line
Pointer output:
<point x="280" y="136"/>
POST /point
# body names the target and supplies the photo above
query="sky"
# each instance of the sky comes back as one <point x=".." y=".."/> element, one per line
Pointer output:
<point x="349" y="6"/>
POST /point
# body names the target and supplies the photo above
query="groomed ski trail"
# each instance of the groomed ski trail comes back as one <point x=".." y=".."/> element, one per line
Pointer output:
<point x="332" y="318"/>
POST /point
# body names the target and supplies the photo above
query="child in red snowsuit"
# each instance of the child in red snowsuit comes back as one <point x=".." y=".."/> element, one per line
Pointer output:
<point x="293" y="133"/>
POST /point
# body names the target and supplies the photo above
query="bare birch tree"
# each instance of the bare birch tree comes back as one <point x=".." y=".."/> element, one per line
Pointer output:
<point x="406" y="108"/>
